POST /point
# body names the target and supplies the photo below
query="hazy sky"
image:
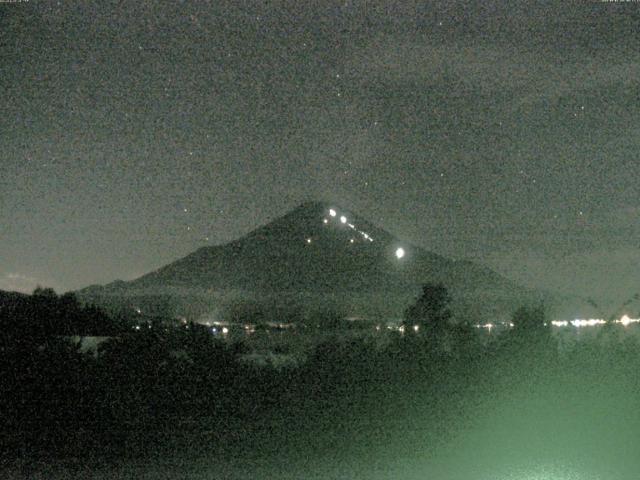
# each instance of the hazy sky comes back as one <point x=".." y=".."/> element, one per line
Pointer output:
<point x="133" y="132"/>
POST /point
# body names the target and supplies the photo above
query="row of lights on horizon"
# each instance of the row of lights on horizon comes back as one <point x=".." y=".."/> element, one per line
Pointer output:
<point x="625" y="320"/>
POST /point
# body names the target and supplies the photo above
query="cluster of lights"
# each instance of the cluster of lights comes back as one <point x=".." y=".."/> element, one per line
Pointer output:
<point x="592" y="322"/>
<point x="625" y="320"/>
<point x="579" y="322"/>
<point x="488" y="326"/>
<point x="138" y="327"/>
<point x="343" y="220"/>
<point x="399" y="252"/>
<point x="223" y="330"/>
<point x="399" y="328"/>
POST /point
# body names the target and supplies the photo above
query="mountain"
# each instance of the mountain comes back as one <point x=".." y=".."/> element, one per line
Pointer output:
<point x="315" y="256"/>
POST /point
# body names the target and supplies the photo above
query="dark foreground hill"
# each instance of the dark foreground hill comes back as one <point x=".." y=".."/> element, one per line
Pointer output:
<point x="317" y="256"/>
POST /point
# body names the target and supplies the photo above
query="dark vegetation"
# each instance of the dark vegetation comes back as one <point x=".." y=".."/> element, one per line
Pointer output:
<point x="161" y="390"/>
<point x="45" y="313"/>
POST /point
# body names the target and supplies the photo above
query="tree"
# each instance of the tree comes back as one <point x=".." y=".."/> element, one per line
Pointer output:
<point x="45" y="293"/>
<point x="527" y="318"/>
<point x="530" y="322"/>
<point x="431" y="311"/>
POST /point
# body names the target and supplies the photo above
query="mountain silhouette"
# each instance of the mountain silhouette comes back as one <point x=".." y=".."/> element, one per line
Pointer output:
<point x="324" y="253"/>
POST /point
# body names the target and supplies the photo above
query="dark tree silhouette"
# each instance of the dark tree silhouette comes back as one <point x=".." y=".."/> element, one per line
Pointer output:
<point x="530" y="322"/>
<point x="431" y="311"/>
<point x="43" y="314"/>
<point x="45" y="293"/>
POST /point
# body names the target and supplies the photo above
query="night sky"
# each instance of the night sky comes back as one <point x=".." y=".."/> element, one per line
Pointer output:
<point x="134" y="132"/>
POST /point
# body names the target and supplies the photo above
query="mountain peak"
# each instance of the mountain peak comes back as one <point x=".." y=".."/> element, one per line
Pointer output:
<point x="317" y="218"/>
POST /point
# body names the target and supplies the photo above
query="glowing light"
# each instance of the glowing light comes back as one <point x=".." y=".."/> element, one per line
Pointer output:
<point x="343" y="219"/>
<point x="591" y="322"/>
<point x="332" y="212"/>
<point x="351" y="241"/>
<point x="400" y="252"/>
<point x="559" y="323"/>
<point x="249" y="329"/>
<point x="308" y="240"/>
<point x="325" y="221"/>
<point x="488" y="326"/>
<point x="416" y="328"/>
<point x="225" y="330"/>
<point x="366" y="236"/>
<point x="625" y="320"/>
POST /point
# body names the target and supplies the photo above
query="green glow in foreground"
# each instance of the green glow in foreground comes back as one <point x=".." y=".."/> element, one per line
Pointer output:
<point x="546" y="473"/>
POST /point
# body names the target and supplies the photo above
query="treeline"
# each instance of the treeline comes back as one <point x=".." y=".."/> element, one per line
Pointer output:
<point x="156" y="389"/>
<point x="45" y="313"/>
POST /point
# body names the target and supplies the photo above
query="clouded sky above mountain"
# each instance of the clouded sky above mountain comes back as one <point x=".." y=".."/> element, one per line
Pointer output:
<point x="135" y="132"/>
